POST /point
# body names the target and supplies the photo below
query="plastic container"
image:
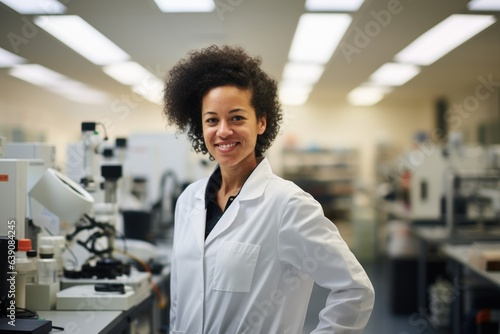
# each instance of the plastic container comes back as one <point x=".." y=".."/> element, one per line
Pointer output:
<point x="24" y="267"/>
<point x="47" y="265"/>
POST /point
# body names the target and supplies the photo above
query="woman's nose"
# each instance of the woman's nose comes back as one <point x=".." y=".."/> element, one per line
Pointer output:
<point x="224" y="129"/>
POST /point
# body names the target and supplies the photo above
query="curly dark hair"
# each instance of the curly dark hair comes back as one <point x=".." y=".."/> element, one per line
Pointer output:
<point x="192" y="78"/>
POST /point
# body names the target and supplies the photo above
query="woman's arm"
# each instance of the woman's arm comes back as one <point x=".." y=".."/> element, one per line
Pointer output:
<point x="312" y="243"/>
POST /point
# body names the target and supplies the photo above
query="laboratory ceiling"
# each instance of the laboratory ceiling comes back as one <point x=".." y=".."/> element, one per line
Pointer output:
<point x="158" y="40"/>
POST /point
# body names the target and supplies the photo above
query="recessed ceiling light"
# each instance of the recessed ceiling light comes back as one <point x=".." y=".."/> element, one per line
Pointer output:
<point x="176" y="6"/>
<point x="80" y="36"/>
<point x="367" y="95"/>
<point x="294" y="94"/>
<point x="152" y="93"/>
<point x="302" y="73"/>
<point x="317" y="37"/>
<point x="81" y="93"/>
<point x="394" y="74"/>
<point x="129" y="73"/>
<point x="485" y="5"/>
<point x="27" y="7"/>
<point x="444" y="37"/>
<point x="333" y="5"/>
<point x="58" y="83"/>
<point x="36" y="74"/>
<point x="8" y="59"/>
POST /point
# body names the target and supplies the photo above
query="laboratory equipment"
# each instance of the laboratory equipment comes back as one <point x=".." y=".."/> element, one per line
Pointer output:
<point x="46" y="266"/>
<point x="62" y="196"/>
<point x="23" y="267"/>
<point x="426" y="183"/>
<point x="467" y="198"/>
<point x="42" y="151"/>
<point x="40" y="157"/>
<point x="42" y="293"/>
<point x="13" y="185"/>
<point x="91" y="144"/>
<point x="85" y="297"/>
<point x="84" y="158"/>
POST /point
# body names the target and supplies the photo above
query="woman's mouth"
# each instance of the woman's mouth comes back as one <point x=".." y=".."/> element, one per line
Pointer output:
<point x="226" y="146"/>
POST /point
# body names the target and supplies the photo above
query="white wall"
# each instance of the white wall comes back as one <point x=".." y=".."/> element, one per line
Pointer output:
<point x="60" y="121"/>
<point x="307" y="126"/>
<point x="359" y="128"/>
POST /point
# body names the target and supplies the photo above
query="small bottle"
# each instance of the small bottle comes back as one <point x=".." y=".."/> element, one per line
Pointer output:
<point x="24" y="266"/>
<point x="32" y="256"/>
<point x="47" y="265"/>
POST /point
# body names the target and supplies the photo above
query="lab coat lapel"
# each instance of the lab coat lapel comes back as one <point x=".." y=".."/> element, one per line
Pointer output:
<point x="197" y="218"/>
<point x="253" y="188"/>
<point x="224" y="222"/>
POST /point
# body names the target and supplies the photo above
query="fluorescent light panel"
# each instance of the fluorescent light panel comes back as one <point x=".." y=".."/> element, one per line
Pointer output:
<point x="37" y="75"/>
<point x="129" y="73"/>
<point x="444" y="37"/>
<point x="8" y="59"/>
<point x="78" y="92"/>
<point x="143" y="82"/>
<point x="177" y="6"/>
<point x="27" y="7"/>
<point x="152" y="94"/>
<point x="367" y="95"/>
<point x="485" y="5"/>
<point x="302" y="73"/>
<point x="292" y="94"/>
<point x="333" y="5"/>
<point x="58" y="83"/>
<point x="317" y="37"/>
<point x="394" y="74"/>
<point x="80" y="36"/>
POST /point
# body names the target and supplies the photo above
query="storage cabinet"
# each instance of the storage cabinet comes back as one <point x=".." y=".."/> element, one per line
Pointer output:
<point x="329" y="175"/>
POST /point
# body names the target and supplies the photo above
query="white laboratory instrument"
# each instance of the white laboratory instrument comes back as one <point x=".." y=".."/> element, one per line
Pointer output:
<point x="13" y="185"/>
<point x="62" y="196"/>
<point x="40" y="157"/>
<point x="85" y="297"/>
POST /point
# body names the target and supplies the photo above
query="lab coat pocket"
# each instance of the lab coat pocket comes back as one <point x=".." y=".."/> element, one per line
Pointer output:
<point x="235" y="266"/>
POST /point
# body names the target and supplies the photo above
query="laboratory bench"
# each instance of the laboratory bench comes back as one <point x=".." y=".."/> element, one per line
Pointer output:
<point x="435" y="245"/>
<point x="467" y="277"/>
<point x="145" y="317"/>
<point x="431" y="238"/>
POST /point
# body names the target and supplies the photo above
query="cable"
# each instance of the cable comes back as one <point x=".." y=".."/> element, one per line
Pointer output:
<point x="104" y="129"/>
<point x="25" y="313"/>
<point x="91" y="243"/>
<point x="75" y="262"/>
<point x="161" y="298"/>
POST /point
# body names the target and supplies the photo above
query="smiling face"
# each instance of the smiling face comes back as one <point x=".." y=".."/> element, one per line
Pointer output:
<point x="230" y="126"/>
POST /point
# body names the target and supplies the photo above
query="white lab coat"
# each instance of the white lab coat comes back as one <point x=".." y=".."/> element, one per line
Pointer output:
<point x="255" y="271"/>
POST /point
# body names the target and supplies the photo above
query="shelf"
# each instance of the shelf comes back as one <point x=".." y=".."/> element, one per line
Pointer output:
<point x="327" y="174"/>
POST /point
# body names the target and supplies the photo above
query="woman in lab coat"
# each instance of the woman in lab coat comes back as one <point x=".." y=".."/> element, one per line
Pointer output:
<point x="248" y="245"/>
